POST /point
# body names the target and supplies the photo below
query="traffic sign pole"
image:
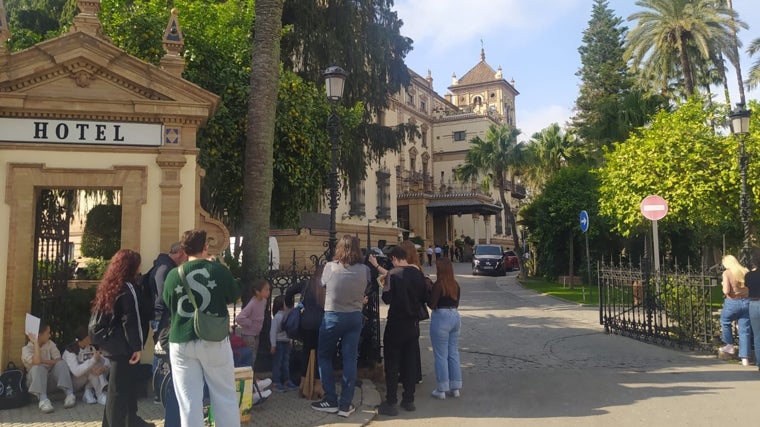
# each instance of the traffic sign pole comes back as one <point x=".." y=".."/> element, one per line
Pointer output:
<point x="584" y="227"/>
<point x="655" y="208"/>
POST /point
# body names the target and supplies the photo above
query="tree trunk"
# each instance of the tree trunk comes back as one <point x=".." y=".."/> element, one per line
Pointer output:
<point x="688" y="78"/>
<point x="738" y="65"/>
<point x="571" y="257"/>
<point x="509" y="220"/>
<point x="257" y="197"/>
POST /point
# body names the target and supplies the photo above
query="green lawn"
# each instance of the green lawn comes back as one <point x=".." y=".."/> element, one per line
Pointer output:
<point x="575" y="294"/>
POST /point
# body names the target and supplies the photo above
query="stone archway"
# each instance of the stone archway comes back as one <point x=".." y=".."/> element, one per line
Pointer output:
<point x="22" y="181"/>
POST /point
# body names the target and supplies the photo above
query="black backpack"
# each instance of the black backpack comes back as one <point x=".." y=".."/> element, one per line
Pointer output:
<point x="13" y="391"/>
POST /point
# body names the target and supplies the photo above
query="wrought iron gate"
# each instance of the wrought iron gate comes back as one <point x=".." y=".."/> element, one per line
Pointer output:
<point x="673" y="307"/>
<point x="51" y="259"/>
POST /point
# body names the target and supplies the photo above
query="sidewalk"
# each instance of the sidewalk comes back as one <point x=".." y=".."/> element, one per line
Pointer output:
<point x="280" y="409"/>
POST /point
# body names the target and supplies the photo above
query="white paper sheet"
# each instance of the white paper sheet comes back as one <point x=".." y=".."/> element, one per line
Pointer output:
<point x="32" y="324"/>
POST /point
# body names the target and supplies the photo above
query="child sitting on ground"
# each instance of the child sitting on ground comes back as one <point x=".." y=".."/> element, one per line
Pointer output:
<point x="88" y="368"/>
<point x="46" y="370"/>
<point x="280" y="347"/>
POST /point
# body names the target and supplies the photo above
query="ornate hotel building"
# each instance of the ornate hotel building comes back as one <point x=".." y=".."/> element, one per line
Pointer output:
<point x="415" y="192"/>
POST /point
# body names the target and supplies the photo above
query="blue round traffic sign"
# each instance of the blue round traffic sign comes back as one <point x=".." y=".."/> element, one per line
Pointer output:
<point x="584" y="221"/>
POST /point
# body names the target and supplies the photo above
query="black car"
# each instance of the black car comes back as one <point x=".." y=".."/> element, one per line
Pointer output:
<point x="488" y="259"/>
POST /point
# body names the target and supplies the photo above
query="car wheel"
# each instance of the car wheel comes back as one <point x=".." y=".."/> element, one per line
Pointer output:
<point x="474" y="273"/>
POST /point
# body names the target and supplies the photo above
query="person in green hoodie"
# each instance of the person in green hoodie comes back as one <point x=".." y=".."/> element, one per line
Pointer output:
<point x="194" y="360"/>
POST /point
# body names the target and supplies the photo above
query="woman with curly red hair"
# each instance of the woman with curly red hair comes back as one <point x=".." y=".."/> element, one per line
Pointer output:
<point x="118" y="297"/>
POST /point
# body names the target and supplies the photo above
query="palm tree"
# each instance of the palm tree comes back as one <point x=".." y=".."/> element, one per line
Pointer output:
<point x="257" y="179"/>
<point x="495" y="157"/>
<point x="547" y="152"/>
<point x="673" y="38"/>
<point x="754" y="73"/>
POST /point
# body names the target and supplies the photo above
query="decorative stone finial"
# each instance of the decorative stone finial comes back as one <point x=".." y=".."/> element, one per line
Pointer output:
<point x="87" y="20"/>
<point x="174" y="43"/>
<point x="482" y="51"/>
<point x="454" y="80"/>
<point x="499" y="74"/>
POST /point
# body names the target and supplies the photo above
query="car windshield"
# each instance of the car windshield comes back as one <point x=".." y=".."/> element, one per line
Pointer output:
<point x="510" y="253"/>
<point x="487" y="250"/>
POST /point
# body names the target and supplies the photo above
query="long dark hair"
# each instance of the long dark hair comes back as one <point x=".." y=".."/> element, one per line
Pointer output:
<point x="123" y="268"/>
<point x="445" y="277"/>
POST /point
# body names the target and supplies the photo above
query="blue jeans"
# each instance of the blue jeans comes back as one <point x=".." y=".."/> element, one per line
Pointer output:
<point x="345" y="327"/>
<point x="736" y="309"/>
<point x="754" y="319"/>
<point x="281" y="363"/>
<point x="444" y="335"/>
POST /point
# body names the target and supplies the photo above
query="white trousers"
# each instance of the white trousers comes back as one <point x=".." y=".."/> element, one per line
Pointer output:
<point x="197" y="361"/>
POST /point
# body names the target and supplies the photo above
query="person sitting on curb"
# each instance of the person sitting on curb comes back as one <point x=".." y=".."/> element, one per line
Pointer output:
<point x="88" y="368"/>
<point x="47" y="371"/>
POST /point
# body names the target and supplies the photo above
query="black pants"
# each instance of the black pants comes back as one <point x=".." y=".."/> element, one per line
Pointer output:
<point x="401" y="350"/>
<point x="121" y="403"/>
<point x="310" y="339"/>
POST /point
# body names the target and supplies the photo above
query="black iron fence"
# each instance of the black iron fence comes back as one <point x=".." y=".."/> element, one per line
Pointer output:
<point x="671" y="307"/>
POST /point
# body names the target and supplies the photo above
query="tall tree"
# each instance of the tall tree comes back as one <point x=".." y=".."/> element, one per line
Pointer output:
<point x="262" y="107"/>
<point x="604" y="78"/>
<point x="494" y="157"/>
<point x="680" y="158"/>
<point x="547" y="152"/>
<point x="735" y="59"/>
<point x="754" y="72"/>
<point x="673" y="38"/>
<point x="364" y="38"/>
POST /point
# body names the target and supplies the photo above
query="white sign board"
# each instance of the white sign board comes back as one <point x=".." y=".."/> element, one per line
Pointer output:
<point x="80" y="132"/>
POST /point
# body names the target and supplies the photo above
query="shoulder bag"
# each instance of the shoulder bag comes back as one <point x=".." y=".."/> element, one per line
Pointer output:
<point x="208" y="327"/>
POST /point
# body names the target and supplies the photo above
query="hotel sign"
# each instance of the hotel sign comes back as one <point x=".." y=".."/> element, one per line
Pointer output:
<point x="80" y="132"/>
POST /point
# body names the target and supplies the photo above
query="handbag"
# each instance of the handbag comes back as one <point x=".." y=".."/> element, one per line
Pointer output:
<point x="291" y="324"/>
<point x="423" y="313"/>
<point x="207" y="327"/>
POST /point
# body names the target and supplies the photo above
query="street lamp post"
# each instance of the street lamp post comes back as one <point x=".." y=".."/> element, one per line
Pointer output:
<point x="740" y="128"/>
<point x="335" y="78"/>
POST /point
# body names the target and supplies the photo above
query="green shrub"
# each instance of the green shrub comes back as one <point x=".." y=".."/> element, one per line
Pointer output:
<point x="102" y="232"/>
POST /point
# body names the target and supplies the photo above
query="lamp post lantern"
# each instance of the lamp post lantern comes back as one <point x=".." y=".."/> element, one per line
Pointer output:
<point x="335" y="79"/>
<point x="740" y="127"/>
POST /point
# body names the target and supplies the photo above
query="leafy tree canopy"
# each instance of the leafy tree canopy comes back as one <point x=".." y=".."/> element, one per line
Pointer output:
<point x="682" y="159"/>
<point x="101" y="237"/>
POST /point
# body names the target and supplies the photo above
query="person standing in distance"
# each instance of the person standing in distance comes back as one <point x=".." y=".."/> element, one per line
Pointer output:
<point x="193" y="359"/>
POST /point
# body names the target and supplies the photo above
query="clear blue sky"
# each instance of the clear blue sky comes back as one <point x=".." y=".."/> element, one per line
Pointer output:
<point x="535" y="42"/>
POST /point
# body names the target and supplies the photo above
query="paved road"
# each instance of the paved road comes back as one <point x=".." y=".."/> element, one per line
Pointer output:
<point x="532" y="360"/>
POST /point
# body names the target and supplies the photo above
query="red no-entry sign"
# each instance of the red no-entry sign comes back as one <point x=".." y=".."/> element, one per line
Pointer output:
<point x="654" y="207"/>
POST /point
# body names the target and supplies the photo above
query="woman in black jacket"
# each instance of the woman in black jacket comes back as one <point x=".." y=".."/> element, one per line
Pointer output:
<point x="118" y="297"/>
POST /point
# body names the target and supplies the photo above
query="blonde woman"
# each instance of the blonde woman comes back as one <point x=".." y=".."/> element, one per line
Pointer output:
<point x="735" y="308"/>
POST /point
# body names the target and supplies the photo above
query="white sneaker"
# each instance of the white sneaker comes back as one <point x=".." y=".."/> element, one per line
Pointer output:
<point x="745" y="361"/>
<point x="439" y="394"/>
<point x="89" y="396"/>
<point x="262" y="384"/>
<point x="46" y="407"/>
<point x="728" y="349"/>
<point x="261" y="396"/>
<point x="102" y="399"/>
<point x="70" y="401"/>
<point x="453" y="393"/>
